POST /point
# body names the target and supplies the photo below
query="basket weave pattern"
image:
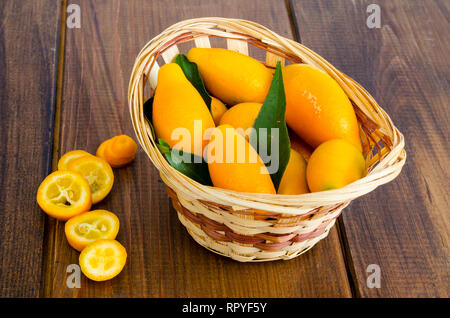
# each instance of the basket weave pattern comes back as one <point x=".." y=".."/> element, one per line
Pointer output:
<point x="260" y="227"/>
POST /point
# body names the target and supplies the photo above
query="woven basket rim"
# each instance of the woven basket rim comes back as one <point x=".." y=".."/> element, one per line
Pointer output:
<point x="380" y="173"/>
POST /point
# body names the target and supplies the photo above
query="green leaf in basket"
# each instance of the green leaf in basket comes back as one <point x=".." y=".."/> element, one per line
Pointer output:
<point x="195" y="167"/>
<point x="273" y="147"/>
<point x="191" y="72"/>
<point x="148" y="111"/>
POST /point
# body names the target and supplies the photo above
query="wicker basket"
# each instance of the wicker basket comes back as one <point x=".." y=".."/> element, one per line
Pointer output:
<point x="259" y="227"/>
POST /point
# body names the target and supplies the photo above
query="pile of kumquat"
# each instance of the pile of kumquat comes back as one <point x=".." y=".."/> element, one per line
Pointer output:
<point x="83" y="179"/>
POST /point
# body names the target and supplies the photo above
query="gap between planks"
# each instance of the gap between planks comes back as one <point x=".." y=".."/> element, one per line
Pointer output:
<point x="49" y="236"/>
<point x="293" y="22"/>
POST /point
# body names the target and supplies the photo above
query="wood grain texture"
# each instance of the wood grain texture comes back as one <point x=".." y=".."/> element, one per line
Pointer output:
<point x="163" y="261"/>
<point x="28" y="55"/>
<point x="402" y="226"/>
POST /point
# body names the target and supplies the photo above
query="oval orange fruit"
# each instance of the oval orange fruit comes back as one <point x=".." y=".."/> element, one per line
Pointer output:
<point x="333" y="165"/>
<point x="317" y="108"/>
<point x="235" y="165"/>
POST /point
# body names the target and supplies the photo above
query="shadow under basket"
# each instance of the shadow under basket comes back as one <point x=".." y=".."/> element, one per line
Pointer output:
<point x="259" y="227"/>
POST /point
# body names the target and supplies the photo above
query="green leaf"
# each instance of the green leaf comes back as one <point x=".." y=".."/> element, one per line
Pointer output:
<point x="148" y="111"/>
<point x="195" y="167"/>
<point x="163" y="146"/>
<point x="191" y="72"/>
<point x="273" y="115"/>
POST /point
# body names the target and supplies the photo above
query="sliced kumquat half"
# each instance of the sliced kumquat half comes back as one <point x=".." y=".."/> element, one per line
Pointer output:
<point x="68" y="157"/>
<point x="64" y="194"/>
<point x="103" y="260"/>
<point x="89" y="227"/>
<point x="98" y="174"/>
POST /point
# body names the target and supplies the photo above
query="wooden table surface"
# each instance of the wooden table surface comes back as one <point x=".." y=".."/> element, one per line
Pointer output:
<point x="66" y="88"/>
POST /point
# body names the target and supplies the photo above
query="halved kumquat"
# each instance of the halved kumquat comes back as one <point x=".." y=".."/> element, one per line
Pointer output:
<point x="70" y="156"/>
<point x="64" y="194"/>
<point x="103" y="260"/>
<point x="89" y="227"/>
<point x="98" y="174"/>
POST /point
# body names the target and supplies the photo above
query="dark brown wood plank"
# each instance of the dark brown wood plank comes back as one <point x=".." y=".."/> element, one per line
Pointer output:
<point x="163" y="260"/>
<point x="403" y="226"/>
<point x="28" y="54"/>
